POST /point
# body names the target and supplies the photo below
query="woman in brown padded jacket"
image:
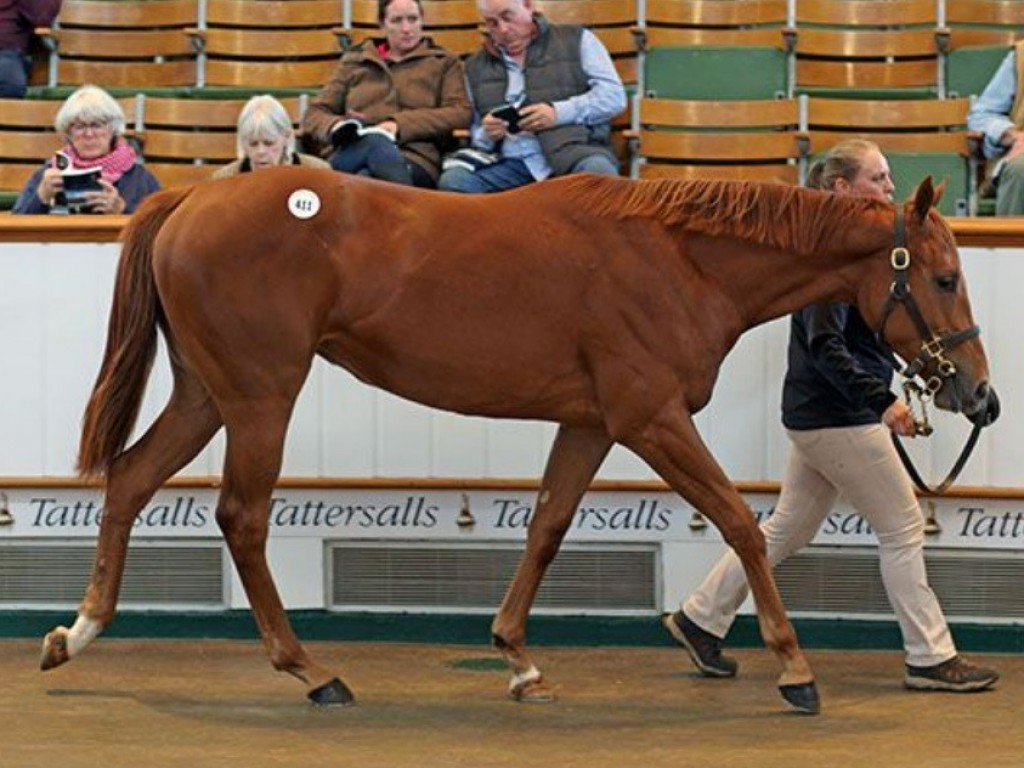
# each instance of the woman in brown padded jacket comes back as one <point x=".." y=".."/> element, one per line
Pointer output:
<point x="392" y="103"/>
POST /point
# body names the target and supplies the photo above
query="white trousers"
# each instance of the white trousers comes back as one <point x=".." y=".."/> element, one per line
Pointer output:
<point x="861" y="464"/>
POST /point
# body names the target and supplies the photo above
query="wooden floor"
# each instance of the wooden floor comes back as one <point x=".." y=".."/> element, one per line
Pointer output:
<point x="205" y="704"/>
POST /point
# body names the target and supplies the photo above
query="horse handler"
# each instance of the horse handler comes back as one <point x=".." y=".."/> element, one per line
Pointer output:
<point x="838" y="409"/>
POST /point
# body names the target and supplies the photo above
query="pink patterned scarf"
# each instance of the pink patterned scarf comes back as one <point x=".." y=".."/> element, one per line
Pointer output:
<point x="115" y="163"/>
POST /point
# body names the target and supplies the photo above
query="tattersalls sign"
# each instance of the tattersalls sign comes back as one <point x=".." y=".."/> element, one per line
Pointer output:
<point x="612" y="516"/>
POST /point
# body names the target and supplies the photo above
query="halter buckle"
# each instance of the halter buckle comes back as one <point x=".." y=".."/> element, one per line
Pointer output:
<point x="933" y="348"/>
<point x="899" y="258"/>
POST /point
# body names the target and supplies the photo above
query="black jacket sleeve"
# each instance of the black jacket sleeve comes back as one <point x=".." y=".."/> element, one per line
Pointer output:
<point x="828" y="327"/>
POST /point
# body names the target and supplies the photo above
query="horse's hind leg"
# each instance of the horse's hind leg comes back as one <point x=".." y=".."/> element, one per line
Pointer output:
<point x="186" y="425"/>
<point x="672" y="446"/>
<point x="575" y="457"/>
<point x="256" y="431"/>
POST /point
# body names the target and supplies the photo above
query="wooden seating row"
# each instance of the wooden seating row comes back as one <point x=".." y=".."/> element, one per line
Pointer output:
<point x="774" y="139"/>
<point x="184" y="140"/>
<point x="276" y="44"/>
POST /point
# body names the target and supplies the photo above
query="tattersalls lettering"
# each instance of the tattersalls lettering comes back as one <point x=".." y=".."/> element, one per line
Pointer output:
<point x="512" y="513"/>
<point x="414" y="512"/>
<point x="47" y="513"/>
<point x="648" y="515"/>
<point x="845" y="524"/>
<point x="183" y="512"/>
<point x="979" y="524"/>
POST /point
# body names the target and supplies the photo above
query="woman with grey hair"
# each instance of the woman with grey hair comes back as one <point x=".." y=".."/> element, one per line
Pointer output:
<point x="266" y="139"/>
<point x="93" y="124"/>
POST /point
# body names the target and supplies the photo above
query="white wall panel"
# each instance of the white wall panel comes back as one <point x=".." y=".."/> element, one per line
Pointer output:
<point x="23" y="359"/>
<point x="303" y="452"/>
<point x="999" y="307"/>
<point x="623" y="464"/>
<point x="349" y="422"/>
<point x="458" y="445"/>
<point x="404" y="437"/>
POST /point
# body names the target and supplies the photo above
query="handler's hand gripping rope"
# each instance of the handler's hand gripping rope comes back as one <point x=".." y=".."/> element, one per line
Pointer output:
<point x="917" y="398"/>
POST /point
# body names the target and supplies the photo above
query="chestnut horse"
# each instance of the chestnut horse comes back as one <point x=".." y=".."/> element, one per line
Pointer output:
<point x="602" y="304"/>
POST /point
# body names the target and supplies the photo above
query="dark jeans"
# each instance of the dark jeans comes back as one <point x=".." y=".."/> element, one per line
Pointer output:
<point x="510" y="172"/>
<point x="14" y="69"/>
<point x="379" y="157"/>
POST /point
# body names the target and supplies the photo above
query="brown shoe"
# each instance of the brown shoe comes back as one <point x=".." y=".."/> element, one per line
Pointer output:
<point x="957" y="675"/>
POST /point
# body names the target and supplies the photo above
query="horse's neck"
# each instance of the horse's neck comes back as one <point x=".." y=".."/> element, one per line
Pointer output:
<point x="828" y="264"/>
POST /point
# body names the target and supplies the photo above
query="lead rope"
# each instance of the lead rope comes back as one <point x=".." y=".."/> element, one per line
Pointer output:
<point x="911" y="391"/>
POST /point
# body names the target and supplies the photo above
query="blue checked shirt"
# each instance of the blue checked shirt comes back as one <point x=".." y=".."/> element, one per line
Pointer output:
<point x="990" y="113"/>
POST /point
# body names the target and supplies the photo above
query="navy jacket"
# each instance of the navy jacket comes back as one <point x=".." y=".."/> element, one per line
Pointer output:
<point x="134" y="186"/>
<point x="839" y="375"/>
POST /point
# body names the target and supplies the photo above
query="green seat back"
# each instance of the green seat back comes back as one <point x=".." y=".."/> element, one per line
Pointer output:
<point x="969" y="69"/>
<point x="715" y="72"/>
<point x="909" y="169"/>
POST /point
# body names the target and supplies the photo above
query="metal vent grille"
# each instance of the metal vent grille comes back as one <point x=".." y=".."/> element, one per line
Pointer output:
<point x="979" y="585"/>
<point x="843" y="581"/>
<point x="582" y="578"/>
<point x="57" y="575"/>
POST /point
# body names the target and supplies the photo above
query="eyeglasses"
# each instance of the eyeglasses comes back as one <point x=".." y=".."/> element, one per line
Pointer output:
<point x="95" y="127"/>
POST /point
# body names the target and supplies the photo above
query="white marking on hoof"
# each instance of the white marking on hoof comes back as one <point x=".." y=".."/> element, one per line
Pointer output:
<point x="521" y="679"/>
<point x="84" y="631"/>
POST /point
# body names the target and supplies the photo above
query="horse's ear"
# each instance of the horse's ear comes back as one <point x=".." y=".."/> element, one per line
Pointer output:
<point x="925" y="197"/>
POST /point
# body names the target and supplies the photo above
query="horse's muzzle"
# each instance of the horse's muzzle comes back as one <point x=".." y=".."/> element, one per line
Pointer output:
<point x="989" y="412"/>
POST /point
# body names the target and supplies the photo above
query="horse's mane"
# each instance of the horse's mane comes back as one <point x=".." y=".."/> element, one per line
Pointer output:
<point x="777" y="215"/>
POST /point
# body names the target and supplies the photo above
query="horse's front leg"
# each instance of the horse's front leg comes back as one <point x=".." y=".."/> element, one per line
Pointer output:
<point x="575" y="457"/>
<point x="671" y="444"/>
<point x="255" y="441"/>
<point x="183" y="428"/>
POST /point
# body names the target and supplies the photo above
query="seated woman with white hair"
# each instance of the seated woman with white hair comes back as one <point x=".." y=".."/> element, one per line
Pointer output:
<point x="266" y="139"/>
<point x="92" y="123"/>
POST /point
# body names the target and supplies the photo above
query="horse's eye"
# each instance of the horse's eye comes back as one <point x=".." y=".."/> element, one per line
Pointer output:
<point x="947" y="283"/>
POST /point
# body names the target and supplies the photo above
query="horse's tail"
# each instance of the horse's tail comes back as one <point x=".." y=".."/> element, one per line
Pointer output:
<point x="117" y="394"/>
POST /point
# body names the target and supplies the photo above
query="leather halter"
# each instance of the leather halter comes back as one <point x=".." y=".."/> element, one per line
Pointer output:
<point x="933" y="349"/>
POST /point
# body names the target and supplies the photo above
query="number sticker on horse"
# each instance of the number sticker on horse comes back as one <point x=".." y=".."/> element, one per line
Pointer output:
<point x="304" y="203"/>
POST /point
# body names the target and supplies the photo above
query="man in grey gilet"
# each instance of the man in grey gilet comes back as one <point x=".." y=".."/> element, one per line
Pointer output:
<point x="563" y="90"/>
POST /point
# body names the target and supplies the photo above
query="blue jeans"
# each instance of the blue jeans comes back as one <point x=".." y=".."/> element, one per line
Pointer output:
<point x="14" y="68"/>
<point x="509" y="173"/>
<point x="379" y="157"/>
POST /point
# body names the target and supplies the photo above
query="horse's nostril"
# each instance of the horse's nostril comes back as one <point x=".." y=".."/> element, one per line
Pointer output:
<point x="989" y="410"/>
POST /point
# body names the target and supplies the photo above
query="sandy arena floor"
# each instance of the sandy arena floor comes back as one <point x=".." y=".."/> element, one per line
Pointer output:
<point x="206" y="704"/>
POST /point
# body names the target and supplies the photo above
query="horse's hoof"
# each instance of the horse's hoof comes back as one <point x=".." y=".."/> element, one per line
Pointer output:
<point x="803" y="697"/>
<point x="55" y="649"/>
<point x="532" y="692"/>
<point x="332" y="694"/>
